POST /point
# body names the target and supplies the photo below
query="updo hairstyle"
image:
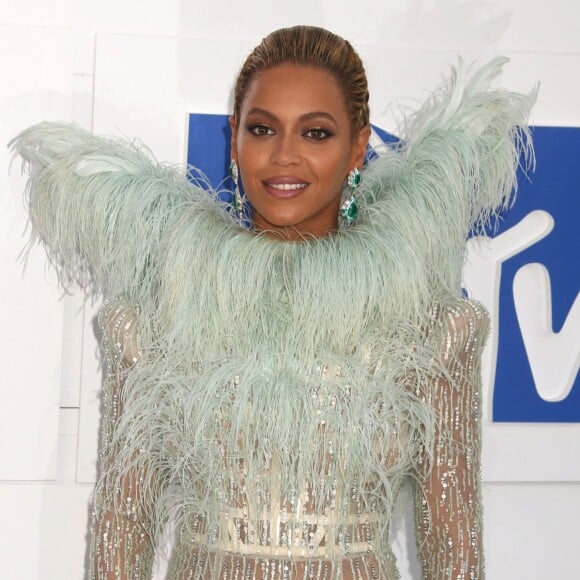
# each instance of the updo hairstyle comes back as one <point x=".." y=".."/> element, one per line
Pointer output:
<point x="310" y="46"/>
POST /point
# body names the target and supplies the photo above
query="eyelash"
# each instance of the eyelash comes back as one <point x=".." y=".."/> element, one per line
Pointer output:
<point x="259" y="130"/>
<point x="323" y="133"/>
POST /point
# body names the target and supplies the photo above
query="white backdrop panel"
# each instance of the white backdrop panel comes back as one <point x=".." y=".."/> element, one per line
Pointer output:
<point x="35" y="86"/>
<point x="38" y="12"/>
<point x="457" y="24"/>
<point x="146" y="85"/>
<point x="530" y="532"/>
<point x="90" y="399"/>
<point x="442" y="24"/>
<point x="47" y="534"/>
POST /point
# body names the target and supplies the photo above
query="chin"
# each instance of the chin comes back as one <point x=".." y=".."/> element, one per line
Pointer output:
<point x="282" y="219"/>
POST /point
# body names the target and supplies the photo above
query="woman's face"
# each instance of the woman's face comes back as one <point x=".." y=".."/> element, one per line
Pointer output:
<point x="294" y="146"/>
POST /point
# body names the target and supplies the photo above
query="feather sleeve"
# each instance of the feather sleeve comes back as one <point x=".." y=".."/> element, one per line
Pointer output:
<point x="100" y="206"/>
<point x="472" y="138"/>
<point x="455" y="168"/>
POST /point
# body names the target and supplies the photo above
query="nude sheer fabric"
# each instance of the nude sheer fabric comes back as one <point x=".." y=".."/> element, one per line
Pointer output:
<point x="121" y="543"/>
<point x="448" y="502"/>
<point x="448" y="497"/>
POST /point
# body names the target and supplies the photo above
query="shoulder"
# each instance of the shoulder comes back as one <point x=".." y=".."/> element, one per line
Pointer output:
<point x="119" y="323"/>
<point x="466" y="317"/>
<point x="461" y="328"/>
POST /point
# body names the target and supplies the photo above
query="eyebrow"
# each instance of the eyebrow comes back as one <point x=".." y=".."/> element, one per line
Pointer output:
<point x="305" y="117"/>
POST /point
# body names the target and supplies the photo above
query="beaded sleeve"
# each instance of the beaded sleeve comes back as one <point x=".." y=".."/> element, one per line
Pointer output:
<point x="448" y="498"/>
<point x="121" y="546"/>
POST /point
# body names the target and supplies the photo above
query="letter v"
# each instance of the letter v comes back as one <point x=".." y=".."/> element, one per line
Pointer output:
<point x="554" y="357"/>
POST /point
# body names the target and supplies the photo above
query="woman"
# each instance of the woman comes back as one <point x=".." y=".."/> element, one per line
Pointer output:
<point x="271" y="388"/>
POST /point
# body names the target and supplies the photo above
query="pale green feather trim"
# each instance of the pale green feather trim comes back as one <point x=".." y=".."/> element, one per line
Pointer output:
<point x="116" y="222"/>
<point x="100" y="206"/>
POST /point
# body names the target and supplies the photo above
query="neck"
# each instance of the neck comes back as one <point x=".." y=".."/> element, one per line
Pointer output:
<point x="308" y="229"/>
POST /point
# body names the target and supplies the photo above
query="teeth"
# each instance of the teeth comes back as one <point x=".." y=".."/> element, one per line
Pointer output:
<point x="288" y="186"/>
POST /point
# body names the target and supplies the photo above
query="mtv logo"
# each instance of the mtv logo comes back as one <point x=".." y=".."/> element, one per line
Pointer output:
<point x="528" y="276"/>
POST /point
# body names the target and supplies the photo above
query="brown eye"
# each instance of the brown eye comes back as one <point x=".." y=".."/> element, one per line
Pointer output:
<point x="260" y="130"/>
<point x="318" y="134"/>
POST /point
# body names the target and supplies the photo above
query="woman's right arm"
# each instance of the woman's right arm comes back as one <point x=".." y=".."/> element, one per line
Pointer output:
<point x="122" y="545"/>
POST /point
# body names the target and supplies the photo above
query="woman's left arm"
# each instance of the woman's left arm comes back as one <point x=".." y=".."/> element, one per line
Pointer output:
<point x="448" y="495"/>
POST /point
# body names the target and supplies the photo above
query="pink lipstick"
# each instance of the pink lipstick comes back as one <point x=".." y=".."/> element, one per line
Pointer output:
<point x="284" y="187"/>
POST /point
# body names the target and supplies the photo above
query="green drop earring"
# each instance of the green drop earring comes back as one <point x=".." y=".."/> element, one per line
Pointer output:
<point x="237" y="202"/>
<point x="349" y="208"/>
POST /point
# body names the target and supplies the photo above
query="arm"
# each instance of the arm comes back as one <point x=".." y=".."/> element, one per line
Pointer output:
<point x="122" y="543"/>
<point x="448" y="495"/>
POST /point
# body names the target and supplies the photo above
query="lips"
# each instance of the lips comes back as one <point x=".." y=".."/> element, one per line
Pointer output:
<point x="284" y="187"/>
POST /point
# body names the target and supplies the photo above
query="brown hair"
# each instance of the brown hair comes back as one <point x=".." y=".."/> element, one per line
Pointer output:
<point x="310" y="46"/>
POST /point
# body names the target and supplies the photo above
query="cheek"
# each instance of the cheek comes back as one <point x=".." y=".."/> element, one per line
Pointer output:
<point x="332" y="169"/>
<point x="251" y="159"/>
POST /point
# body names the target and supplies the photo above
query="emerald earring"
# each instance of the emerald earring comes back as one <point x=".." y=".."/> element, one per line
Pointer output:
<point x="349" y="208"/>
<point x="237" y="202"/>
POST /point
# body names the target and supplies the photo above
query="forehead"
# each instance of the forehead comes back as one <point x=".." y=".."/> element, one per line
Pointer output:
<point x="290" y="87"/>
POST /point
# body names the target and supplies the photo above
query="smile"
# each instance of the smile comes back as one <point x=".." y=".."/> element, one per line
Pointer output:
<point x="284" y="187"/>
<point x="287" y="186"/>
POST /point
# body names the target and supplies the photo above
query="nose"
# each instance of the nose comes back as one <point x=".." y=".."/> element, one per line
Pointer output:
<point x="286" y="150"/>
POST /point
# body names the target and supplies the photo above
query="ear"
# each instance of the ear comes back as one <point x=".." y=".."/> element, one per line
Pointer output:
<point x="234" y="139"/>
<point x="359" y="148"/>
